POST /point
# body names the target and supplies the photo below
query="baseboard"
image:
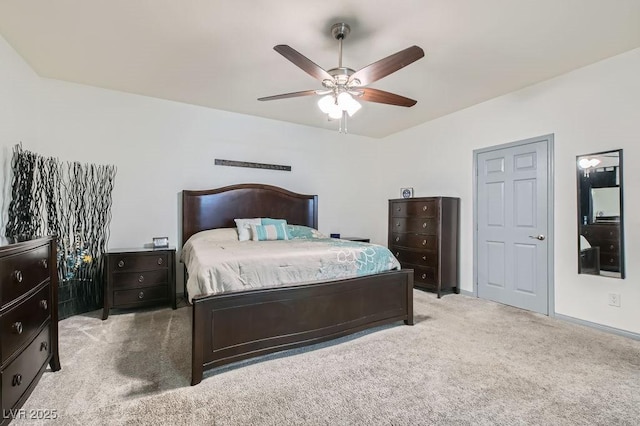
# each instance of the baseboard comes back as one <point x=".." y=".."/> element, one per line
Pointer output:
<point x="467" y="293"/>
<point x="605" y="328"/>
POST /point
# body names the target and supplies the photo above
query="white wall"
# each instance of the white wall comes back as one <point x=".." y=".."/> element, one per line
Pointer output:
<point x="596" y="108"/>
<point x="18" y="115"/>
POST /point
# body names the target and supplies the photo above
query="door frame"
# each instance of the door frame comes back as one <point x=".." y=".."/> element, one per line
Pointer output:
<point x="550" y="212"/>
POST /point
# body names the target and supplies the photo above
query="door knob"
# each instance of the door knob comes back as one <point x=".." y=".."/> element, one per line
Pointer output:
<point x="538" y="237"/>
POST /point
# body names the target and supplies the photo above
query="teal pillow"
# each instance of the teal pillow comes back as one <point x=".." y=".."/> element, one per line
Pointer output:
<point x="269" y="221"/>
<point x="269" y="232"/>
<point x="299" y="232"/>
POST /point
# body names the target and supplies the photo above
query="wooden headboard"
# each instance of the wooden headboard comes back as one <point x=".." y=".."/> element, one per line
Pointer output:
<point x="216" y="208"/>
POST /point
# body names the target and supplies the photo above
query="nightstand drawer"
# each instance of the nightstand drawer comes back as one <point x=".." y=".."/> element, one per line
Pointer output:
<point x="131" y="280"/>
<point x="127" y="262"/>
<point x="22" y="272"/>
<point x="146" y="294"/>
<point x="20" y="323"/>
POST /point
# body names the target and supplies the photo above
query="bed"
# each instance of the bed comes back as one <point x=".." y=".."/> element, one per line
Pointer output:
<point x="230" y="327"/>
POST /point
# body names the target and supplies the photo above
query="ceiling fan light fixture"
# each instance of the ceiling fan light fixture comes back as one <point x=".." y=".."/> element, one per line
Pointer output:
<point x="326" y="103"/>
<point x="348" y="104"/>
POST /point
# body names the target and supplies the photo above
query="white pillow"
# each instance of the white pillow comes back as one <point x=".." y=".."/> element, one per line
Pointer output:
<point x="244" y="227"/>
<point x="216" y="235"/>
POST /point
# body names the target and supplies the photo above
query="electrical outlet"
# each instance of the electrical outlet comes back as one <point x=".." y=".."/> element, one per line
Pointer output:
<point x="614" y="299"/>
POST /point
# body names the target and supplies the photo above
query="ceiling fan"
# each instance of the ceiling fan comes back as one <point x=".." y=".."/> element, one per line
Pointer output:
<point x="342" y="84"/>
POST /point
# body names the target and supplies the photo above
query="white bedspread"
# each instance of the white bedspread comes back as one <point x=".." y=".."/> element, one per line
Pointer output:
<point x="215" y="267"/>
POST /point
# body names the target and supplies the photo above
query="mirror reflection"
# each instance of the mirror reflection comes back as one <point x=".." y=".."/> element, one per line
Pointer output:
<point x="600" y="218"/>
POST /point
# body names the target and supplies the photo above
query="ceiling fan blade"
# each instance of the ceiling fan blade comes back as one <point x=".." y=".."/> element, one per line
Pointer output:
<point x="382" y="97"/>
<point x="289" y="95"/>
<point x="303" y="62"/>
<point x="388" y="65"/>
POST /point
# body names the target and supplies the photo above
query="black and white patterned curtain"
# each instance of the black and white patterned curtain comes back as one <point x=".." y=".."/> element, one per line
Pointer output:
<point x="73" y="202"/>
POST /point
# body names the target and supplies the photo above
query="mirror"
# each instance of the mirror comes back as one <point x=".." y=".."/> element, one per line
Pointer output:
<point x="600" y="214"/>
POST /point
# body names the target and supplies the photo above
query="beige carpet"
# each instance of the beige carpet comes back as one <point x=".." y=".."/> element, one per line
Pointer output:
<point x="465" y="362"/>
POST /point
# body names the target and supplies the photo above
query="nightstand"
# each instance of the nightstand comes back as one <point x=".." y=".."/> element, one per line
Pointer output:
<point x="139" y="277"/>
<point x="360" y="239"/>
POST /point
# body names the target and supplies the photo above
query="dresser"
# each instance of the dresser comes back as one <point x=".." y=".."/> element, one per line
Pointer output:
<point x="28" y="318"/>
<point x="139" y="277"/>
<point x="606" y="236"/>
<point x="423" y="235"/>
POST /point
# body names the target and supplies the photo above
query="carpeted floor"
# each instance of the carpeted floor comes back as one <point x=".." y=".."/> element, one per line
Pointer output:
<point x="465" y="362"/>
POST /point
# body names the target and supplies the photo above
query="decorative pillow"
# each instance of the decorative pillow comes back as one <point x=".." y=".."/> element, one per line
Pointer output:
<point x="299" y="232"/>
<point x="216" y="235"/>
<point x="269" y="221"/>
<point x="244" y="227"/>
<point x="269" y="232"/>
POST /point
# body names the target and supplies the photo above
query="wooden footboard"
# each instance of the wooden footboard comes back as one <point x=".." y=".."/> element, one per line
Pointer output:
<point x="231" y="327"/>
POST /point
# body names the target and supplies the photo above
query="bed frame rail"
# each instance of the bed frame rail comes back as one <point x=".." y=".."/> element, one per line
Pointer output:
<point x="231" y="327"/>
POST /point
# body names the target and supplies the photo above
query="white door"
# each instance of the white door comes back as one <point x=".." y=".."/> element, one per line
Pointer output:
<point x="512" y="251"/>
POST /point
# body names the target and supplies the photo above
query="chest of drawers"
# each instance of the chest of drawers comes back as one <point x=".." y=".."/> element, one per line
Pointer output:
<point x="139" y="277"/>
<point x="606" y="236"/>
<point x="423" y="235"/>
<point x="28" y="318"/>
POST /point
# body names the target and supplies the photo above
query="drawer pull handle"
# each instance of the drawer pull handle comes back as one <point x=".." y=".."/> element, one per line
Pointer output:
<point x="399" y="209"/>
<point x="121" y="264"/>
<point x="424" y="208"/>
<point x="44" y="263"/>
<point x="611" y="261"/>
<point x="17" y="274"/>
<point x="17" y="327"/>
<point x="160" y="261"/>
<point x="397" y="239"/>
<point x="611" y="247"/>
<point x="397" y="254"/>
<point x="17" y="380"/>
<point x="43" y="304"/>
<point x="424" y="257"/>
<point x="398" y="224"/>
<point x="43" y="346"/>
<point x="424" y="225"/>
<point x="141" y="295"/>
<point x="141" y="278"/>
<point x="424" y="242"/>
<point x="424" y="276"/>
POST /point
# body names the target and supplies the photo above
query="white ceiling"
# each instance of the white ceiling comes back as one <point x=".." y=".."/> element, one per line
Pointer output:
<point x="220" y="54"/>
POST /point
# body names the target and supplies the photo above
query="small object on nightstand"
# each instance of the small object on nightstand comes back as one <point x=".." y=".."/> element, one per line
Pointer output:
<point x="359" y="239"/>
<point x="160" y="242"/>
<point x="139" y="277"/>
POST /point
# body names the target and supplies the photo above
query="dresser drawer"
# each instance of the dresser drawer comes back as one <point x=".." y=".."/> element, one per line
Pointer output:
<point x="22" y="272"/>
<point x="429" y="242"/>
<point x="21" y="372"/>
<point x="424" y="274"/>
<point x="609" y="261"/>
<point x="127" y="262"/>
<point x="141" y="295"/>
<point x="420" y="258"/>
<point x="411" y="224"/>
<point x="131" y="280"/>
<point x="600" y="232"/>
<point x="22" y="321"/>
<point x="426" y="208"/>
